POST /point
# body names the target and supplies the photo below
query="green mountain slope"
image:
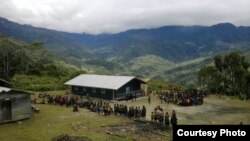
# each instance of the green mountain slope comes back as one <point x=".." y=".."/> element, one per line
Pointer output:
<point x="147" y="66"/>
<point x="186" y="72"/>
<point x="31" y="66"/>
<point x="51" y="38"/>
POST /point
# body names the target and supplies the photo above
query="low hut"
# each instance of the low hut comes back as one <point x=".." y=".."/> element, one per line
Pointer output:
<point x="14" y="105"/>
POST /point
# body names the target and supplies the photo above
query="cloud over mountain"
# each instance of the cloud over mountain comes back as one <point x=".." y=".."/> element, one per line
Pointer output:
<point x="110" y="16"/>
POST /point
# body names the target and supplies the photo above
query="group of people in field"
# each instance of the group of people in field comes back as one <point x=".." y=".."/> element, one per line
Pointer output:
<point x="105" y="108"/>
<point x="68" y="101"/>
<point x="186" y="97"/>
<point x="159" y="116"/>
<point x="131" y="112"/>
<point x="118" y="109"/>
<point x="76" y="102"/>
<point x="99" y="106"/>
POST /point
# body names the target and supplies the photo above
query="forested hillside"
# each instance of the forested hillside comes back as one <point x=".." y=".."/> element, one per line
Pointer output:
<point x="31" y="65"/>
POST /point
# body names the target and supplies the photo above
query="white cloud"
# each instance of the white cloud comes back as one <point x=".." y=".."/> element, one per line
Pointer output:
<point x="98" y="16"/>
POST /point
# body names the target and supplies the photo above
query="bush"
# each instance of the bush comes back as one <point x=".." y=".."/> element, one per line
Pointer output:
<point x="37" y="83"/>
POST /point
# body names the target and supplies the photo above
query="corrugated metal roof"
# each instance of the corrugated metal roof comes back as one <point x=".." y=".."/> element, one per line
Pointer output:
<point x="100" y="81"/>
<point x="4" y="89"/>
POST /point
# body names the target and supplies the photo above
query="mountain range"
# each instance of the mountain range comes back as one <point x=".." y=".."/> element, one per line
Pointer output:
<point x="150" y="53"/>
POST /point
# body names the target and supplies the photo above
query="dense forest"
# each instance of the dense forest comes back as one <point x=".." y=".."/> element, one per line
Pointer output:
<point x="228" y="75"/>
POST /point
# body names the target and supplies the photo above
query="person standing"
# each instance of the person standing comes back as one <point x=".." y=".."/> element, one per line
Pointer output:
<point x="149" y="99"/>
<point x="166" y="119"/>
<point x="173" y="119"/>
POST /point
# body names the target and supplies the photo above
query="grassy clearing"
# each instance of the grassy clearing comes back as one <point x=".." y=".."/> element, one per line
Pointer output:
<point x="54" y="120"/>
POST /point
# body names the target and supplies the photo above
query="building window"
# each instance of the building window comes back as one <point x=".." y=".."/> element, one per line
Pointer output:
<point x="75" y="88"/>
<point x="94" y="90"/>
<point x="84" y="89"/>
<point x="128" y="90"/>
<point x="103" y="91"/>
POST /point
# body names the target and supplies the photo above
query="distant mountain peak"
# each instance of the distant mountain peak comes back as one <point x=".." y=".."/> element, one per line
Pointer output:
<point x="226" y="25"/>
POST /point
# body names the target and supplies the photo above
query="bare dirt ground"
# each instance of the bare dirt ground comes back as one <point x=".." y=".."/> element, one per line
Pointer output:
<point x="215" y="110"/>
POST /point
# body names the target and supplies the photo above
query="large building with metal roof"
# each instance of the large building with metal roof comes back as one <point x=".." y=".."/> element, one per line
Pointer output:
<point x="106" y="86"/>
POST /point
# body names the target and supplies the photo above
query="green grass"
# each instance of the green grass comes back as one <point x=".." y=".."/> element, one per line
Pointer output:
<point x="56" y="120"/>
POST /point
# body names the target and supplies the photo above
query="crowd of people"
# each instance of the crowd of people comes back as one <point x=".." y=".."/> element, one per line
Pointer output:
<point x="186" y="97"/>
<point x="99" y="106"/>
<point x="57" y="99"/>
<point x="132" y="112"/>
<point x="106" y="108"/>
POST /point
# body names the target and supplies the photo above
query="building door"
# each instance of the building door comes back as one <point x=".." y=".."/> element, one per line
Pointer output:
<point x="6" y="108"/>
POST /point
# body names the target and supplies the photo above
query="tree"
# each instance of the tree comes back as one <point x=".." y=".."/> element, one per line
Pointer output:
<point x="208" y="78"/>
<point x="235" y="67"/>
<point x="218" y="63"/>
<point x="13" y="59"/>
<point x="227" y="75"/>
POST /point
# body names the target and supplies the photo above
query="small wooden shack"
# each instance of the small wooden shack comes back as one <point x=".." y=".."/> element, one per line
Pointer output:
<point x="106" y="86"/>
<point x="14" y="105"/>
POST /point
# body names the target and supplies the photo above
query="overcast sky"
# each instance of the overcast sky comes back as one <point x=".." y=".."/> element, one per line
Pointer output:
<point x="110" y="16"/>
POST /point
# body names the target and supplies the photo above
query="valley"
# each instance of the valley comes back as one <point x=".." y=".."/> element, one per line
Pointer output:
<point x="170" y="53"/>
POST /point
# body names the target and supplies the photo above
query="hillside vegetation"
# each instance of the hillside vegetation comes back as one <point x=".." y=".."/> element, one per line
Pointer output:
<point x="170" y="53"/>
<point x="227" y="75"/>
<point x="31" y="66"/>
